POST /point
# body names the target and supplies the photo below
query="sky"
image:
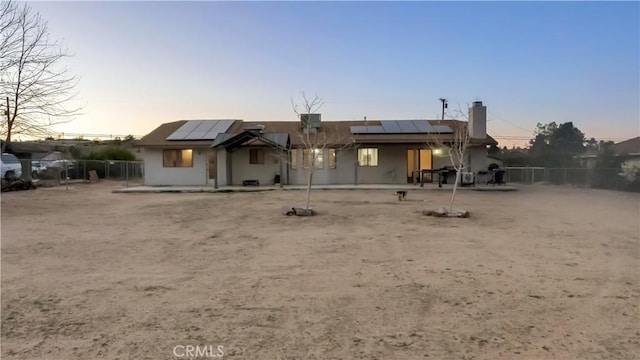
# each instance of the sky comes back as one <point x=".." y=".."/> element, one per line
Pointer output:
<point x="146" y="63"/>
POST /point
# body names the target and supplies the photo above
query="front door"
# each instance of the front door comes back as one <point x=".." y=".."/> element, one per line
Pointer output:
<point x="417" y="160"/>
<point x="212" y="166"/>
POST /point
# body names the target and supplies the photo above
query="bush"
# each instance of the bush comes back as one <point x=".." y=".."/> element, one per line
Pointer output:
<point x="112" y="153"/>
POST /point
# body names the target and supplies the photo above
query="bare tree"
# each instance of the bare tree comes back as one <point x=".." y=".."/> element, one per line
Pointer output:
<point x="314" y="141"/>
<point x="456" y="149"/>
<point x="37" y="87"/>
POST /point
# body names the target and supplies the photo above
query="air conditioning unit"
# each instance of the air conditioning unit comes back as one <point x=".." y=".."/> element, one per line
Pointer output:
<point x="310" y="122"/>
<point x="466" y="178"/>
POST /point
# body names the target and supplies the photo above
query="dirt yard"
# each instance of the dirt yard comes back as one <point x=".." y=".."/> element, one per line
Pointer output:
<point x="543" y="273"/>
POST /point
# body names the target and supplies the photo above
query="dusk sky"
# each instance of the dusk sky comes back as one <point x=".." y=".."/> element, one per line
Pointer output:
<point x="146" y="63"/>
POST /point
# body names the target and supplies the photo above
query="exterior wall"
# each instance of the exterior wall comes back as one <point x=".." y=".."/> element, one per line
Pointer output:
<point x="156" y="174"/>
<point x="241" y="169"/>
<point x="221" y="163"/>
<point x="392" y="166"/>
<point x="344" y="172"/>
<point x="477" y="159"/>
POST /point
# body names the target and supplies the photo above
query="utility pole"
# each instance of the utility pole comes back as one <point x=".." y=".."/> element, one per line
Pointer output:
<point x="444" y="106"/>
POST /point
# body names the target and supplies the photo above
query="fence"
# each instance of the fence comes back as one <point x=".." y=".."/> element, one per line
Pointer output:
<point x="608" y="178"/>
<point x="59" y="170"/>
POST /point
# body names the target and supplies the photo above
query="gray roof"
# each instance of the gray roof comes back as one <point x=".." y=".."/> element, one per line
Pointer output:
<point x="279" y="139"/>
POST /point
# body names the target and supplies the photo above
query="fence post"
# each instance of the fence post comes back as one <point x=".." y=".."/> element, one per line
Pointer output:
<point x="66" y="175"/>
<point x="532" y="175"/>
<point x="127" y="173"/>
<point x="565" y="177"/>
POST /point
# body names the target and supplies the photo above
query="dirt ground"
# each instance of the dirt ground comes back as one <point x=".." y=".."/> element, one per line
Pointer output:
<point x="543" y="273"/>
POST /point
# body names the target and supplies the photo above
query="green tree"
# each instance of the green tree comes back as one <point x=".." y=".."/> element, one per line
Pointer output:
<point x="555" y="145"/>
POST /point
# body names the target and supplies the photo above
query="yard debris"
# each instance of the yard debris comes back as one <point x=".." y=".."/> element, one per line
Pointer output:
<point x="289" y="211"/>
<point x="17" y="184"/>
<point x="442" y="212"/>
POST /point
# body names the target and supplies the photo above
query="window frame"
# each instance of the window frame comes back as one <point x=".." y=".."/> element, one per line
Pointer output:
<point x="333" y="159"/>
<point x="259" y="160"/>
<point x="319" y="165"/>
<point x="368" y="155"/>
<point x="179" y="158"/>
<point x="293" y="158"/>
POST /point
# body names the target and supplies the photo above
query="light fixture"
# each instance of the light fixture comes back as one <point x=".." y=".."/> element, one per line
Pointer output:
<point x="437" y="151"/>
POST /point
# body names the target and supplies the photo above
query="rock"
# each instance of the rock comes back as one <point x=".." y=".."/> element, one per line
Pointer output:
<point x="442" y="212"/>
<point x="289" y="211"/>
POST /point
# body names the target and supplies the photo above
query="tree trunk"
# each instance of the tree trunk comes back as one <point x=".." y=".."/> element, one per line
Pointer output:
<point x="309" y="181"/>
<point x="455" y="187"/>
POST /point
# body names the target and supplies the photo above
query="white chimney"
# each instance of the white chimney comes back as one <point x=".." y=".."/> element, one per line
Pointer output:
<point x="478" y="121"/>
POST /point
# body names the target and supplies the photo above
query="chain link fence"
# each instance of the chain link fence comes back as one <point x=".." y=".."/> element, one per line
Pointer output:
<point x="607" y="178"/>
<point x="59" y="171"/>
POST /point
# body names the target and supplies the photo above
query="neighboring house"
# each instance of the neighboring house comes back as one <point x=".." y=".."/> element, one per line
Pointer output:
<point x="203" y="152"/>
<point x="628" y="149"/>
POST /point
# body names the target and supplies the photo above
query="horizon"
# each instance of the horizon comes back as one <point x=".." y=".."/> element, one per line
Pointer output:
<point x="528" y="62"/>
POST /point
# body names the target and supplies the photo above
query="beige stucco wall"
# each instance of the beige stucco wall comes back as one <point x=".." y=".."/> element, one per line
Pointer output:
<point x="241" y="169"/>
<point x="391" y="169"/>
<point x="156" y="174"/>
<point x="477" y="159"/>
<point x="343" y="173"/>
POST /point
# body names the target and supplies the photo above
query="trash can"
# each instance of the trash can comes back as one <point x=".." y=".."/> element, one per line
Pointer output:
<point x="276" y="179"/>
<point x="442" y="177"/>
<point x="498" y="177"/>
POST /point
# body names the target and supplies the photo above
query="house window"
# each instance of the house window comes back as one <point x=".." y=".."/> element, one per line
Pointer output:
<point x="177" y="158"/>
<point x="256" y="156"/>
<point x="332" y="158"/>
<point x="314" y="155"/>
<point x="293" y="158"/>
<point x="368" y="157"/>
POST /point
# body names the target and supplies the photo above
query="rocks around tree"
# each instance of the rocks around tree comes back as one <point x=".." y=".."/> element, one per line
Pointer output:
<point x="297" y="211"/>
<point x="442" y="212"/>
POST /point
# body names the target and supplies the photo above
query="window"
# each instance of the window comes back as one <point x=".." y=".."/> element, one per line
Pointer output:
<point x="368" y="157"/>
<point x="256" y="156"/>
<point x="177" y="158"/>
<point x="314" y="155"/>
<point x="293" y="158"/>
<point x="332" y="158"/>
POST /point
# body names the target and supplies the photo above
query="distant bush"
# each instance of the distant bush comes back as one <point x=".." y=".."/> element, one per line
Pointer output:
<point x="112" y="153"/>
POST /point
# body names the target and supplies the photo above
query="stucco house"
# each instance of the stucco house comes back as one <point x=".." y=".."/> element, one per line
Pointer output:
<point x="233" y="152"/>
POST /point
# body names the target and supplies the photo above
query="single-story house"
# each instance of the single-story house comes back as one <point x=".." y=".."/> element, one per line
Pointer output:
<point x="231" y="152"/>
<point x="629" y="149"/>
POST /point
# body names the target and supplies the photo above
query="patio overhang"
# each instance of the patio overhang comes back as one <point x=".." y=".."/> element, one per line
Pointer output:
<point x="233" y="142"/>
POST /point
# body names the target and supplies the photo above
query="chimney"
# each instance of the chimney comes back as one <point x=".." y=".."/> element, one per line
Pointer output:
<point x="478" y="120"/>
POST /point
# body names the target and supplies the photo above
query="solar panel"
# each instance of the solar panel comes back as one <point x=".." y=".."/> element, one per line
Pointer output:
<point x="442" y="129"/>
<point x="390" y="126"/>
<point x="221" y="126"/>
<point x="422" y="125"/>
<point x="184" y="130"/>
<point x="375" y="129"/>
<point x="199" y="132"/>
<point x="407" y="126"/>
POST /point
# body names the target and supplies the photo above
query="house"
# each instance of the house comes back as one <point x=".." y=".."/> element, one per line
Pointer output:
<point x="628" y="149"/>
<point x="231" y="152"/>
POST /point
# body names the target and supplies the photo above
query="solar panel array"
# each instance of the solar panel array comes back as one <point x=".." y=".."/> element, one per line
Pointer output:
<point x="201" y="130"/>
<point x="401" y="127"/>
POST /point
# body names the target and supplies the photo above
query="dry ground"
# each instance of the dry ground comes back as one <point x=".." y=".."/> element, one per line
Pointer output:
<point x="543" y="273"/>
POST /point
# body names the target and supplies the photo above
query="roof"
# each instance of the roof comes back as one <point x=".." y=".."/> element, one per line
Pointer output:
<point x="630" y="146"/>
<point x="158" y="137"/>
<point x="332" y="132"/>
<point x="240" y="139"/>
